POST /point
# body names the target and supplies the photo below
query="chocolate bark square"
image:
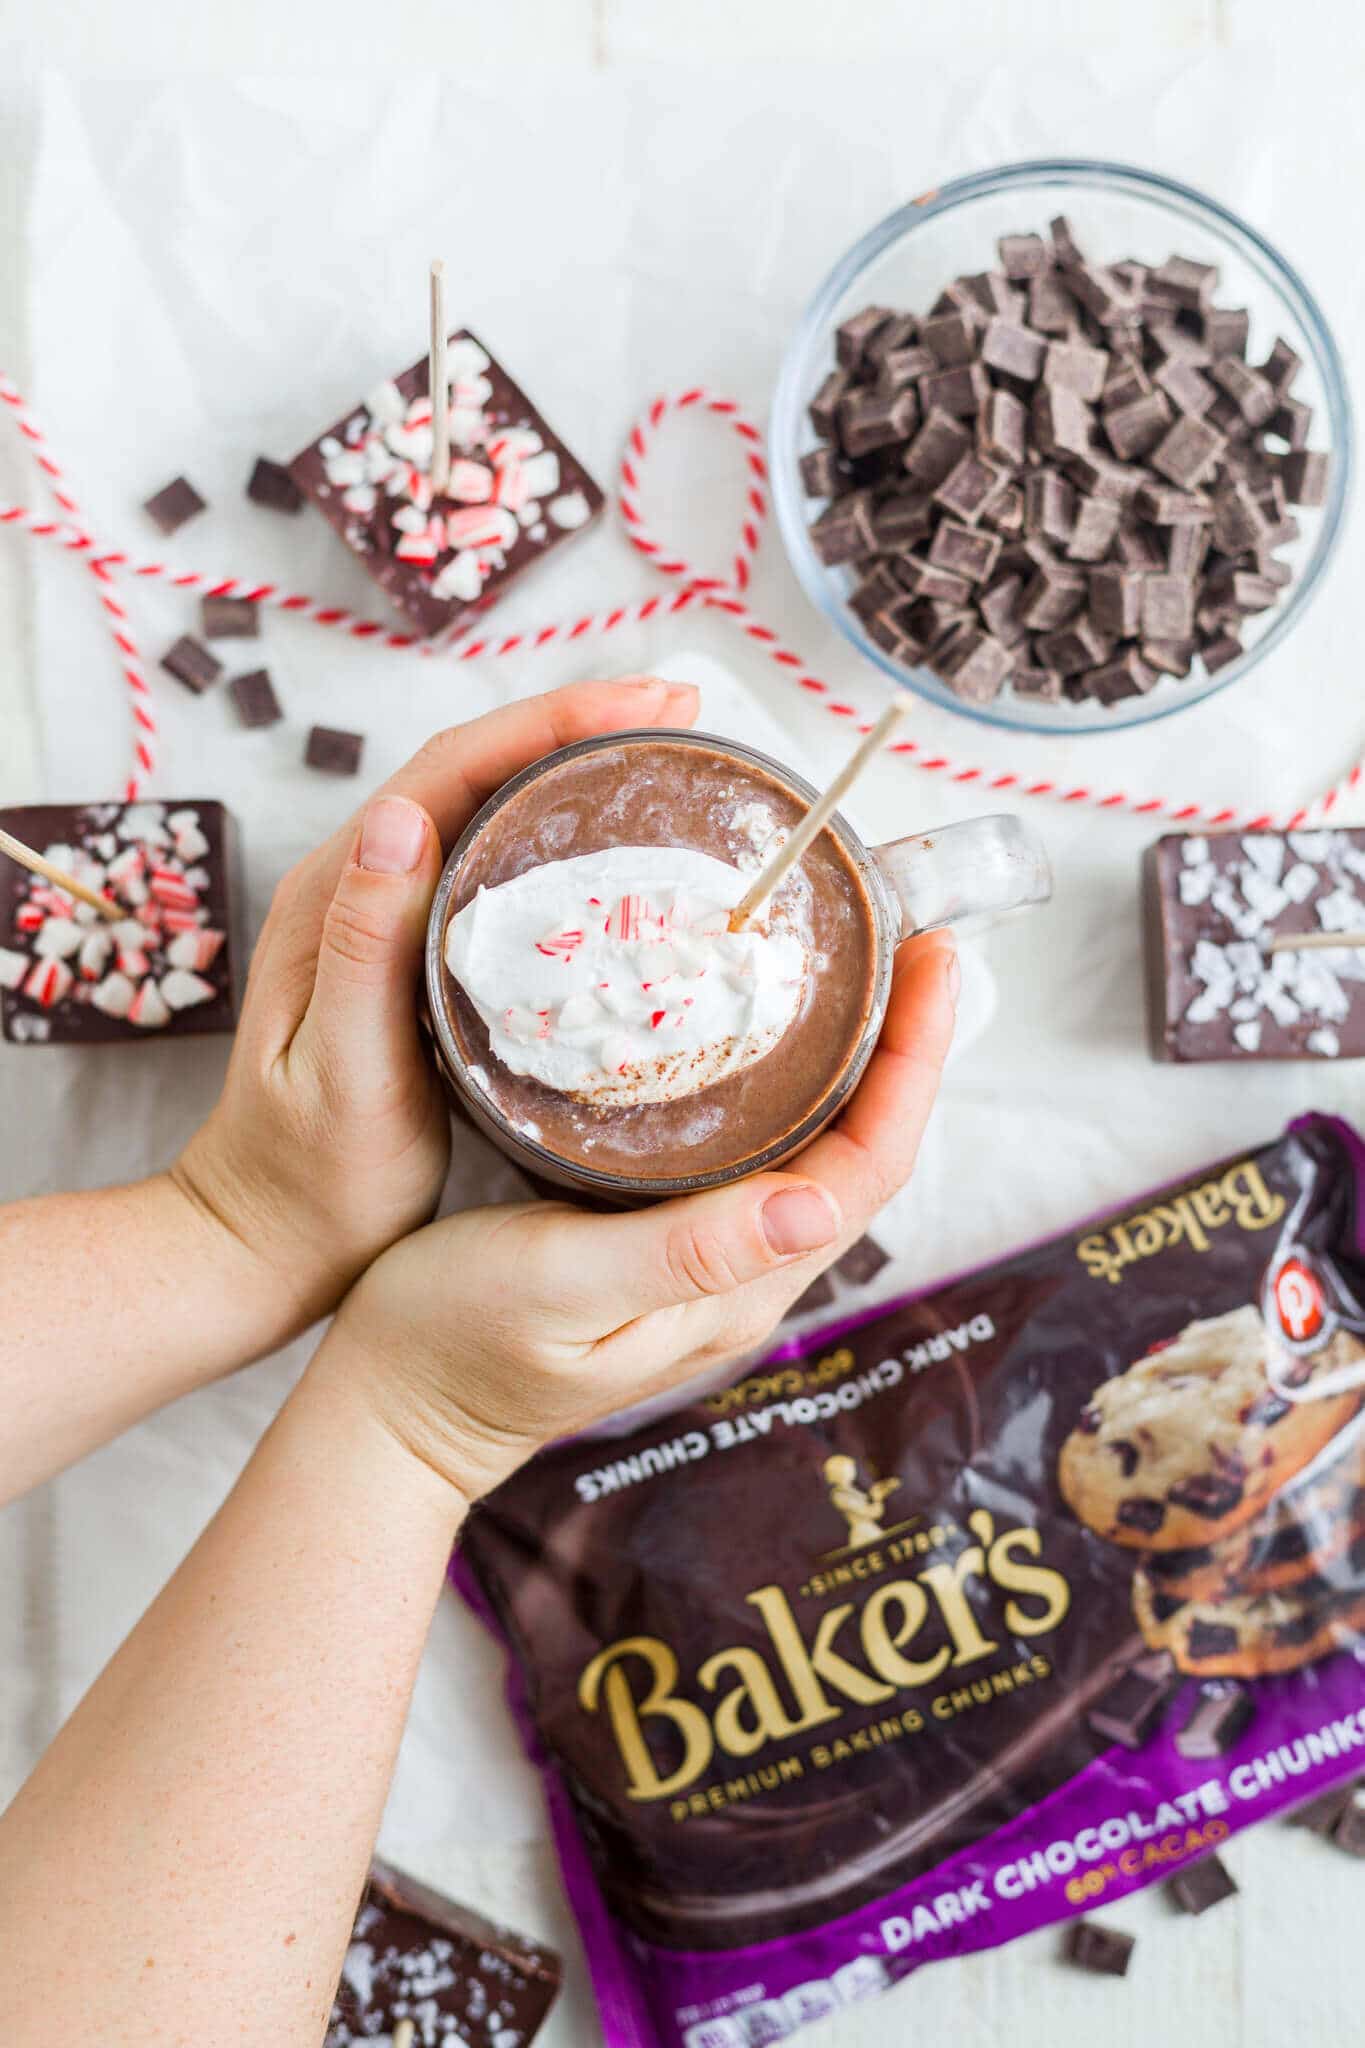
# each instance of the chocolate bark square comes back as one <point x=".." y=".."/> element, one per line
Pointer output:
<point x="516" y="490"/>
<point x="415" y="1954"/>
<point x="170" y="967"/>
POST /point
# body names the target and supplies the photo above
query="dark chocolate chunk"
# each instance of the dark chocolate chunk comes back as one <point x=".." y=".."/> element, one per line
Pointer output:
<point x="1135" y="428"/>
<point x="998" y="608"/>
<point x="1218" y="651"/>
<point x="843" y="532"/>
<point x="878" y="590"/>
<point x="333" y="751"/>
<point x="1049" y="504"/>
<point x="1281" y="367"/>
<point x="975" y="666"/>
<point x="824" y="407"/>
<point x="254" y="696"/>
<point x="1188" y="453"/>
<point x="1204" y="1884"/>
<point x="1002" y="429"/>
<point x="173" y="505"/>
<point x="1055" y="594"/>
<point x="190" y="662"/>
<point x="950" y="339"/>
<point x="1116" y="601"/>
<point x="1218" y="1719"/>
<point x="960" y="391"/>
<point x="1224" y="330"/>
<point x="1188" y="389"/>
<point x="1102" y="1950"/>
<point x="1168" y="657"/>
<point x="1304" y="475"/>
<point x="229" y="618"/>
<point x="1322" y="1814"/>
<point x="904" y="366"/>
<point x="964" y="550"/>
<point x="1061" y="421"/>
<point x="819" y="1294"/>
<point x="1135" y="1703"/>
<point x="1072" y="366"/>
<point x="896" y="333"/>
<point x="1092" y="535"/>
<point x="940" y="443"/>
<point x="1006" y="513"/>
<point x="991" y="291"/>
<point x="1044" y="684"/>
<point x="862" y="1262"/>
<point x="271" y="484"/>
<point x="1065" y="247"/>
<point x="896" y="522"/>
<point x="1075" y="646"/>
<point x="1022" y="256"/>
<point x="820" y="473"/>
<point x="928" y="579"/>
<point x="1014" y="350"/>
<point x="1051" y="308"/>
<point x="1348" y="1831"/>
<point x="1186" y="283"/>
<point x="969" y="487"/>
<point x="852" y="338"/>
<point x="1126" y="676"/>
<point x="1252" y="394"/>
<point x="1291" y="422"/>
<point x="1167" y="607"/>
<point x="874" y="419"/>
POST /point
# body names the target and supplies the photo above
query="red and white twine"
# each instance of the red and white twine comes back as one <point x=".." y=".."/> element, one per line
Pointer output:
<point x="108" y="566"/>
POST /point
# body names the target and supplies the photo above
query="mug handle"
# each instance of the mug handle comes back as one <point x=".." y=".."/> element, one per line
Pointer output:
<point x="977" y="869"/>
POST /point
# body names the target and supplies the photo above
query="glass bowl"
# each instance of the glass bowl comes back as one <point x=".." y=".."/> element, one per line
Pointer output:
<point x="1116" y="211"/>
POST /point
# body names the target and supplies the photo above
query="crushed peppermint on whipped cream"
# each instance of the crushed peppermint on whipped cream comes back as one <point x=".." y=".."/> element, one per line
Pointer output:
<point x="505" y="479"/>
<point x="161" y="957"/>
<point x="614" y="977"/>
<point x="1248" y="883"/>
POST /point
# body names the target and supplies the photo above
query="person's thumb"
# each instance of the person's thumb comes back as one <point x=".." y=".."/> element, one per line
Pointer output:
<point x="692" y="1248"/>
<point x="362" y="1016"/>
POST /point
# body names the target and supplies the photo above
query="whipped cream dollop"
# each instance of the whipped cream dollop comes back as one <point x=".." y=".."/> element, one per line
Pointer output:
<point x="614" y="978"/>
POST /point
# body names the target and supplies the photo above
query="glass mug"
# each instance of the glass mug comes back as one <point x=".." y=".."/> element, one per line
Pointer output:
<point x="976" y="869"/>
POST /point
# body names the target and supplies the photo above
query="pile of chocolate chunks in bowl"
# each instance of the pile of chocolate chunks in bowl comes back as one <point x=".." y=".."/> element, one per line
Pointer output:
<point x="1066" y="478"/>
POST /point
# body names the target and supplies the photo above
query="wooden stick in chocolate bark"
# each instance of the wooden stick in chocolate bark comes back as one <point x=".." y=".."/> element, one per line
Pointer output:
<point x="404" y="2034"/>
<point x="1313" y="942"/>
<point x="38" y="865"/>
<point x="440" y="390"/>
<point x="816" y="819"/>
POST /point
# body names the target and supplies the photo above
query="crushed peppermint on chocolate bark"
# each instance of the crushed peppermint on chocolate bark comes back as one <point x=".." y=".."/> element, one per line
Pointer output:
<point x="168" y="955"/>
<point x="1215" y="903"/>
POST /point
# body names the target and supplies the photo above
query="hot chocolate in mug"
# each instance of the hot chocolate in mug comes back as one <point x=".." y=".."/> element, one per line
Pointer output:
<point x="594" y="1013"/>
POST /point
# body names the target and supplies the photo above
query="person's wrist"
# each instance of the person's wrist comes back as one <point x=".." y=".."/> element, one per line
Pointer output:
<point x="341" y="1381"/>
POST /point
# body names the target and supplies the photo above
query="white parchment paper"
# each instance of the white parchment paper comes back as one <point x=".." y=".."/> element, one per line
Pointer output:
<point x="217" y="270"/>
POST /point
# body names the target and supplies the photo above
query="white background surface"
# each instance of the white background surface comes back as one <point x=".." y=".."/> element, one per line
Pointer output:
<point x="635" y="195"/>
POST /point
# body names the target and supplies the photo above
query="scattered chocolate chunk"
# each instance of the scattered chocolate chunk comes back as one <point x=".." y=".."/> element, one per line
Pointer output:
<point x="1206" y="1883"/>
<point x="333" y="751"/>
<point x="1100" y="1949"/>
<point x="255" y="699"/>
<point x="1322" y="1814"/>
<point x="190" y="662"/>
<point x="229" y="618"/>
<point x="1218" y="1719"/>
<point x="175" y="504"/>
<point x="819" y="1294"/>
<point x="1348" y="1833"/>
<point x="862" y="1262"/>
<point x="271" y="484"/>
<point x="1135" y="1703"/>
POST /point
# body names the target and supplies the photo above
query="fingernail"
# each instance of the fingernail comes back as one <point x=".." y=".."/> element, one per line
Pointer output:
<point x="654" y="683"/>
<point x="392" y="835"/>
<point x="798" y="1220"/>
<point x="954" y="977"/>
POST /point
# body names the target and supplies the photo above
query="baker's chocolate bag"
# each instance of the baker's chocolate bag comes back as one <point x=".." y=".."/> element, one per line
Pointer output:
<point x="957" y="1618"/>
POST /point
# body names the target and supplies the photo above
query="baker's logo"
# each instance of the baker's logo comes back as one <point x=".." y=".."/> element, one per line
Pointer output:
<point x="862" y="1507"/>
<point x="1299" y="1304"/>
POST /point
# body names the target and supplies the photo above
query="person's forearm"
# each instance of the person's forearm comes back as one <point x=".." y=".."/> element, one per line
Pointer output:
<point x="185" y="1863"/>
<point x="114" y="1302"/>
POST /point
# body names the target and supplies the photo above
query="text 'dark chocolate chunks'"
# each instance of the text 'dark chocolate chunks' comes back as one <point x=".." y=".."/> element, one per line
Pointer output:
<point x="168" y="967"/>
<point x="516" y="490"/>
